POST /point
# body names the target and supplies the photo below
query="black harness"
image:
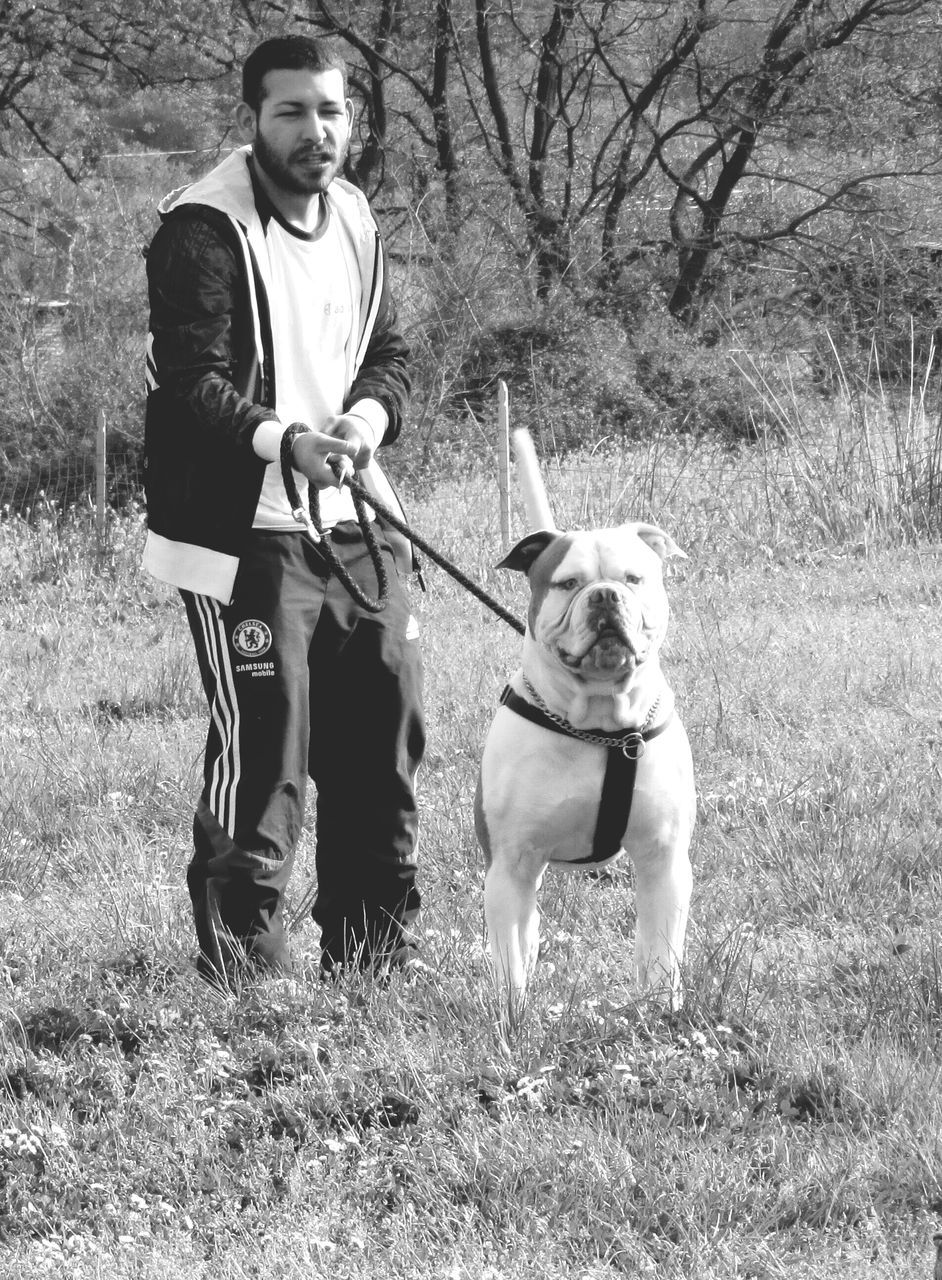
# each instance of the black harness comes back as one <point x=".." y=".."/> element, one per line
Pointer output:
<point x="623" y="750"/>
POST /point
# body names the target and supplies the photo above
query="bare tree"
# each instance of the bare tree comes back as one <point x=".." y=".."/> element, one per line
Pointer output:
<point x="592" y="111"/>
<point x="401" y="69"/>
<point x="589" y="129"/>
<point x="743" y="105"/>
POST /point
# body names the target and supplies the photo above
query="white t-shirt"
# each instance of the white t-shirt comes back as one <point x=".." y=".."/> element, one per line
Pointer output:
<point x="311" y="304"/>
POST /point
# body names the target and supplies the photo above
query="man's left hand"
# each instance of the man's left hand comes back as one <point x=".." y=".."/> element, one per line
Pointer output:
<point x="356" y="432"/>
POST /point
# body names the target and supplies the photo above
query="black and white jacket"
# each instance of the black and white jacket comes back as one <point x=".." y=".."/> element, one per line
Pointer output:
<point x="211" y="371"/>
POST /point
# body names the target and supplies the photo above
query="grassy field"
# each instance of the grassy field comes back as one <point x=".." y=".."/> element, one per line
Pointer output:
<point x="786" y="1124"/>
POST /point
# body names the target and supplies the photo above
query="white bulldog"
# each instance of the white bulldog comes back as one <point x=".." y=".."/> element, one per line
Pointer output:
<point x="589" y="696"/>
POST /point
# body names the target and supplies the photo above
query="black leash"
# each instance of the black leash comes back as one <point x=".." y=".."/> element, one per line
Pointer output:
<point x="359" y="490"/>
<point x="361" y="499"/>
<point x="374" y="605"/>
<point x="312" y="520"/>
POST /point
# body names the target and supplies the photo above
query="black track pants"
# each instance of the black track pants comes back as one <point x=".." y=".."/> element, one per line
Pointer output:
<point x="302" y="681"/>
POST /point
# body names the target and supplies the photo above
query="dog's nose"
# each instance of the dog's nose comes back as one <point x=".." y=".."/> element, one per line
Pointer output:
<point x="603" y="596"/>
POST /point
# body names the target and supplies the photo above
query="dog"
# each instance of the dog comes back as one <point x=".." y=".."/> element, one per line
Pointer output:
<point x="586" y="757"/>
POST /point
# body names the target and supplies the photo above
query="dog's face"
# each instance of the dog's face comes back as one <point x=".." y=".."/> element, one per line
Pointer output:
<point x="598" y="607"/>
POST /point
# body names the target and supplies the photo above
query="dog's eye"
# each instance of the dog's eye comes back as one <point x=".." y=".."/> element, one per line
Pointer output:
<point x="567" y="584"/>
<point x="633" y="579"/>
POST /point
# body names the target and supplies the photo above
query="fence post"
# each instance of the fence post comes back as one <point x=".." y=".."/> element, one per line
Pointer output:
<point x="503" y="462"/>
<point x="101" y="477"/>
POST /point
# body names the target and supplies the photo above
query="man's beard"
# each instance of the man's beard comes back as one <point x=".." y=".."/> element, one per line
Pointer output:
<point x="298" y="180"/>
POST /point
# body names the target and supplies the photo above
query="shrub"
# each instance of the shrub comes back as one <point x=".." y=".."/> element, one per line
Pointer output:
<point x="879" y="302"/>
<point x="578" y="373"/>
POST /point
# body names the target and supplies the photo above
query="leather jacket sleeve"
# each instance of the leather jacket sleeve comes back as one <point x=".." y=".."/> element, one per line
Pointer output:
<point x="203" y="341"/>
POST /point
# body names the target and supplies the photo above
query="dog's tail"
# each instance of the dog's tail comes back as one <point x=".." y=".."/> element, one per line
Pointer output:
<point x="535" y="500"/>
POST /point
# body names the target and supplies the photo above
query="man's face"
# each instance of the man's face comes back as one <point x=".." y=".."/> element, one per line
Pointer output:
<point x="301" y="131"/>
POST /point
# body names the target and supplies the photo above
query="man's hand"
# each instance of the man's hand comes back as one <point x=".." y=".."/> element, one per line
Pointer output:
<point x="351" y="428"/>
<point x="311" y="451"/>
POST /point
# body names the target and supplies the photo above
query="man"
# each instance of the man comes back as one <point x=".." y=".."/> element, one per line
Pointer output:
<point x="274" y="343"/>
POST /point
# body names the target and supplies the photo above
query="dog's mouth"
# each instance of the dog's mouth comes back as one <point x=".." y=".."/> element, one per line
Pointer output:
<point x="610" y="652"/>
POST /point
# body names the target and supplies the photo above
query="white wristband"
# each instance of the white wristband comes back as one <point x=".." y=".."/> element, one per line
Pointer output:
<point x="267" y="439"/>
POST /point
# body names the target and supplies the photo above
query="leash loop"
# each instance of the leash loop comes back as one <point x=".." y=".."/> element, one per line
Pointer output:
<point x="362" y="498"/>
<point x="311" y="519"/>
<point x="373" y="604"/>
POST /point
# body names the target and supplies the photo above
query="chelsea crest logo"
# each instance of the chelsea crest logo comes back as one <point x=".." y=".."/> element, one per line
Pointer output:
<point x="251" y="638"/>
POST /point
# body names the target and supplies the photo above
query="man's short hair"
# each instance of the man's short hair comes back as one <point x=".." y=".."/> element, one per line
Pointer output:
<point x="287" y="53"/>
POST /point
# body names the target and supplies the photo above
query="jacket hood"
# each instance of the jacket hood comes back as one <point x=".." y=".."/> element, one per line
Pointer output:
<point x="228" y="188"/>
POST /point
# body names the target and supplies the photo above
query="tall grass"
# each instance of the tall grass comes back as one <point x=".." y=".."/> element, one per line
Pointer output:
<point x="787" y="1123"/>
<point x="876" y="473"/>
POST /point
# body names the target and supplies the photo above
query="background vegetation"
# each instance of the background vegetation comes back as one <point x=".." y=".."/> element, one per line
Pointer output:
<point x="605" y="204"/>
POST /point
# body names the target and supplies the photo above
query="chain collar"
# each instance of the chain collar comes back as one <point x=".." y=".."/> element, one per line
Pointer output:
<point x="630" y="743"/>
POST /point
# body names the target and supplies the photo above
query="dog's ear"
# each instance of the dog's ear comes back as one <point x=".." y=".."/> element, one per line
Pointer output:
<point x="527" y="550"/>
<point x="658" y="540"/>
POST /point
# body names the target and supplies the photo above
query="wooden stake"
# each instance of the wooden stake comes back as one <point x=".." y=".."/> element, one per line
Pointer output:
<point x="101" y="477"/>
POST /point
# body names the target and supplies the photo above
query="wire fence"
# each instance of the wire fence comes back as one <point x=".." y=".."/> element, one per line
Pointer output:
<point x="586" y="484"/>
<point x="60" y="485"/>
<point x="102" y="475"/>
<point x="94" y="478"/>
<point x="669" y="477"/>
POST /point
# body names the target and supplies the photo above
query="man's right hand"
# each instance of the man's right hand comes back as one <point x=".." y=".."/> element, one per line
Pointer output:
<point x="310" y="453"/>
